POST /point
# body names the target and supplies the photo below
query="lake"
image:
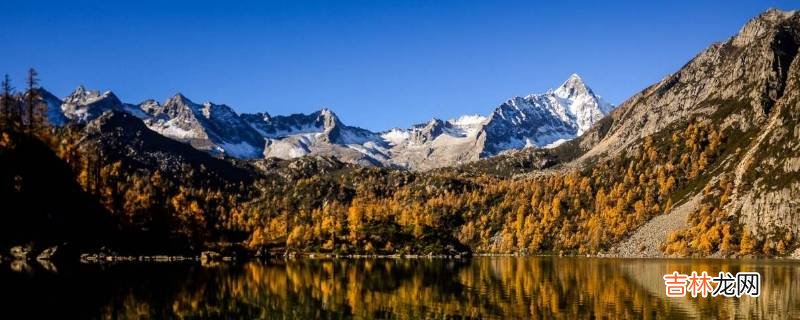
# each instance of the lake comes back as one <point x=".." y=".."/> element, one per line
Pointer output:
<point x="481" y="287"/>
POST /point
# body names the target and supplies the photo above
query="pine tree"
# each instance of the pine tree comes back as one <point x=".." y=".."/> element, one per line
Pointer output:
<point x="5" y="109"/>
<point x="32" y="98"/>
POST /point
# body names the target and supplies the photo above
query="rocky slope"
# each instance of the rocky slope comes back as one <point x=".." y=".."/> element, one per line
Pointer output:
<point x="318" y="133"/>
<point x="210" y="127"/>
<point x="743" y="76"/>
<point x="747" y="87"/>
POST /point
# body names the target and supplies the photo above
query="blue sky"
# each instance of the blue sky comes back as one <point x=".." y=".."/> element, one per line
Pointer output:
<point x="377" y="64"/>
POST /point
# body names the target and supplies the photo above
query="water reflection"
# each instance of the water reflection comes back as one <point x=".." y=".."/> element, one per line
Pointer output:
<point x="501" y="287"/>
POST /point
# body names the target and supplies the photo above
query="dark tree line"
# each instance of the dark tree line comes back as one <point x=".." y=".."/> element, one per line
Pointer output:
<point x="23" y="111"/>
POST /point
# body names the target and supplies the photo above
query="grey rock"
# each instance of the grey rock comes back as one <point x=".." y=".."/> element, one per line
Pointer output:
<point x="210" y="256"/>
<point x="21" y="252"/>
<point x="21" y="266"/>
<point x="48" y="254"/>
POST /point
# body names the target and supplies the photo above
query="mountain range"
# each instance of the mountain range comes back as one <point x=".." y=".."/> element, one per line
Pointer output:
<point x="536" y="120"/>
<point x="703" y="162"/>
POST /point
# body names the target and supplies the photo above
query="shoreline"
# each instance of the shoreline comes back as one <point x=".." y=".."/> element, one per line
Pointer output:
<point x="323" y="256"/>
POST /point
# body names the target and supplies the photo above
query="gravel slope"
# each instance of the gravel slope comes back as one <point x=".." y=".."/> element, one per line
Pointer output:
<point x="646" y="241"/>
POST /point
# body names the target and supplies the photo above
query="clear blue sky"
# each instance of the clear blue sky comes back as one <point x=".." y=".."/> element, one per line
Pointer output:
<point x="378" y="64"/>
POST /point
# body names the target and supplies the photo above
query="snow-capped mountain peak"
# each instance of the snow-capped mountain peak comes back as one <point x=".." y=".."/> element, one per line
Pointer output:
<point x="572" y="88"/>
<point x="179" y="100"/>
<point x="542" y="119"/>
<point x="150" y="106"/>
<point x="585" y="107"/>
<point x="469" y="120"/>
<point x="83" y="96"/>
<point x="83" y="105"/>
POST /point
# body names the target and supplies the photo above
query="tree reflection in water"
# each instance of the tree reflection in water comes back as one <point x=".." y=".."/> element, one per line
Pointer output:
<point x="483" y="287"/>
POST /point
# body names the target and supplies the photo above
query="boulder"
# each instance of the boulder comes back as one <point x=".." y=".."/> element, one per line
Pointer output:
<point x="47" y="265"/>
<point x="21" y="252"/>
<point x="48" y="254"/>
<point x="210" y="256"/>
<point x="21" y="266"/>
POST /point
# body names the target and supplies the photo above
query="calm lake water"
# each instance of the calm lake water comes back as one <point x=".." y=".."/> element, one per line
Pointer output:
<point x="482" y="287"/>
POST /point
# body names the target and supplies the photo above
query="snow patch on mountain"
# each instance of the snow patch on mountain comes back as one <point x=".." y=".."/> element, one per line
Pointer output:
<point x="85" y="105"/>
<point x="242" y="150"/>
<point x="395" y="136"/>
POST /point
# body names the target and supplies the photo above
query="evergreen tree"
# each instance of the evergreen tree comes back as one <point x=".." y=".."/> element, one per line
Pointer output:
<point x="32" y="98"/>
<point x="5" y="109"/>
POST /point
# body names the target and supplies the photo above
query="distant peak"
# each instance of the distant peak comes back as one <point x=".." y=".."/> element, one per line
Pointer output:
<point x="328" y="119"/>
<point x="773" y="15"/>
<point x="82" y="95"/>
<point x="759" y="27"/>
<point x="328" y="113"/>
<point x="775" y="12"/>
<point x="179" y="98"/>
<point x="572" y="87"/>
<point x="80" y="91"/>
<point x="574" y="80"/>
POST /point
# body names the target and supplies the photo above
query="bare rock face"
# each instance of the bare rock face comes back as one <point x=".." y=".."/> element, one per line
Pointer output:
<point x="210" y="127"/>
<point x="747" y="87"/>
<point x="768" y="175"/>
<point x="748" y="71"/>
<point x="84" y="105"/>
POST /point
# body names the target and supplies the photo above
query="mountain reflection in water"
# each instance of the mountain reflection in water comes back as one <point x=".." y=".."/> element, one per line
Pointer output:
<point x="482" y="287"/>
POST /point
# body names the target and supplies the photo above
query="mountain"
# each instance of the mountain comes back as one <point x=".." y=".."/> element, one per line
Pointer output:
<point x="543" y="120"/>
<point x="124" y="137"/>
<point x="55" y="116"/>
<point x="83" y="105"/>
<point x="536" y="120"/>
<point x="747" y="91"/>
<point x="209" y="127"/>
<point x="318" y="133"/>
<point x="747" y="74"/>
